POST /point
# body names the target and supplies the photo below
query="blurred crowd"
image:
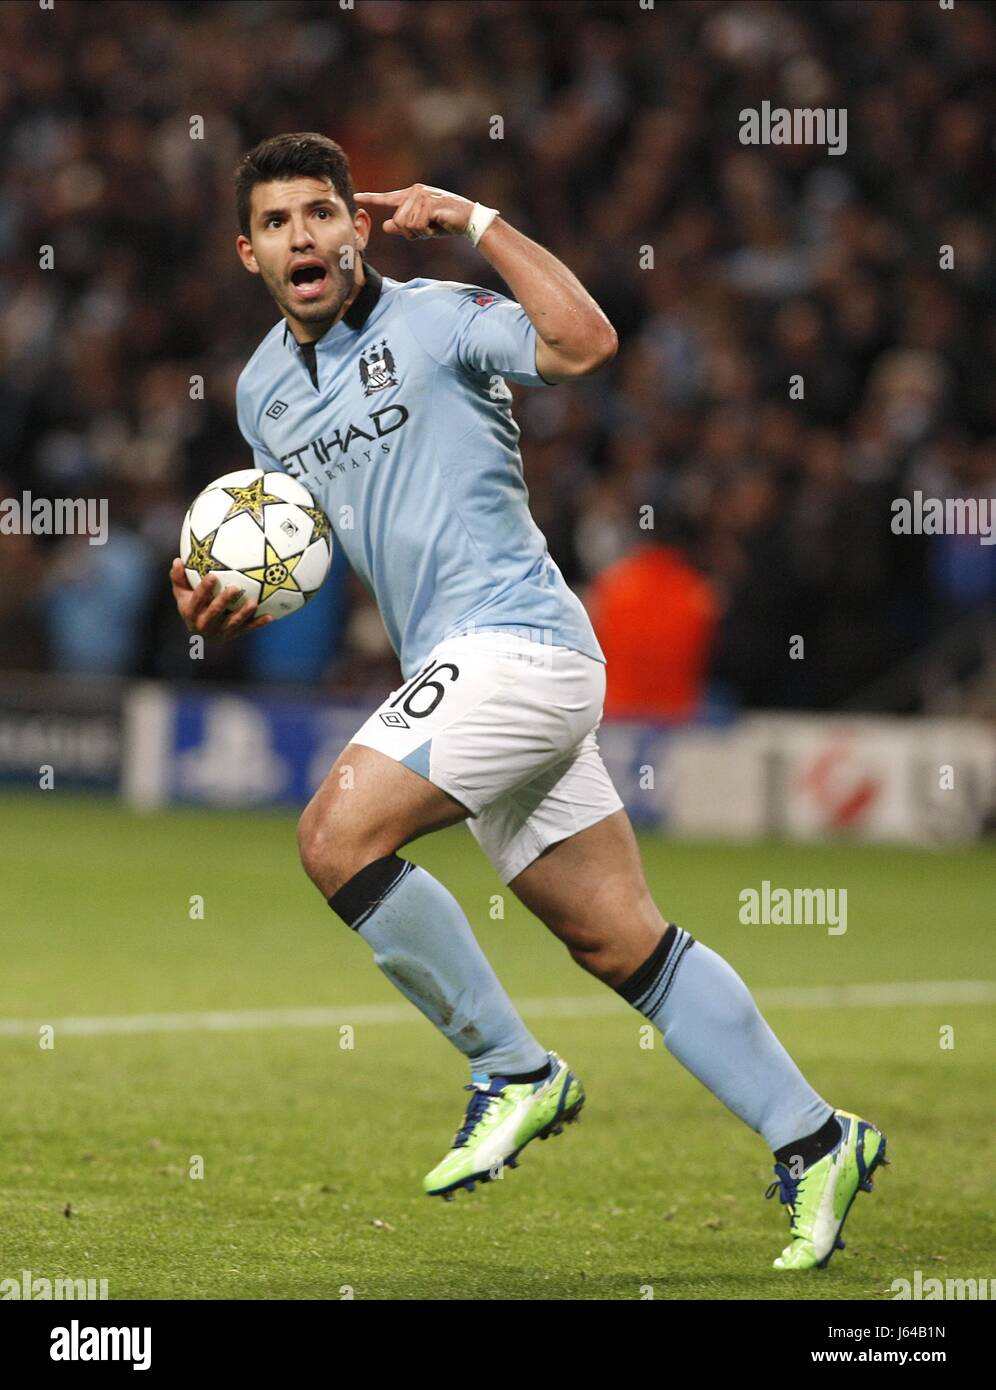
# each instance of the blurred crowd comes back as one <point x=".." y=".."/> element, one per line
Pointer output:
<point x="708" y="514"/>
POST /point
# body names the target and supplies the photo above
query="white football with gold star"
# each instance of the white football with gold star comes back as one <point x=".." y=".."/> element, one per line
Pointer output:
<point x="262" y="532"/>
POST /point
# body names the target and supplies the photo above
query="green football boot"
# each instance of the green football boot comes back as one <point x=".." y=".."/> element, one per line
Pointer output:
<point x="502" y="1118"/>
<point x="820" y="1199"/>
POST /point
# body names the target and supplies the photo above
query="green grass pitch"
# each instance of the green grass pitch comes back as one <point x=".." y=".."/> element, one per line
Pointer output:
<point x="313" y="1152"/>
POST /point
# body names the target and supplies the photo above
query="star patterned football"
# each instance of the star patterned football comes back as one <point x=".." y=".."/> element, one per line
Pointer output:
<point x="263" y="532"/>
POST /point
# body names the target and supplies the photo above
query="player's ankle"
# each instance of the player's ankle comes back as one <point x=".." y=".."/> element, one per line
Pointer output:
<point x="540" y="1074"/>
<point x="813" y="1147"/>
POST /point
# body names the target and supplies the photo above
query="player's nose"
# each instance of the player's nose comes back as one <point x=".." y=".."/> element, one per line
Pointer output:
<point x="301" y="235"/>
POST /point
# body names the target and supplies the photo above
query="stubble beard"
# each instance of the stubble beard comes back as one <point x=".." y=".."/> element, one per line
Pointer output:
<point x="325" y="309"/>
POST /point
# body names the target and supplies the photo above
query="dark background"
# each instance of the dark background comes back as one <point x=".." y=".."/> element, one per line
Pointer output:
<point x="621" y="132"/>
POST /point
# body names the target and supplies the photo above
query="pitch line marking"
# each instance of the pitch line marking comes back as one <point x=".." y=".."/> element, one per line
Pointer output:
<point x="912" y="994"/>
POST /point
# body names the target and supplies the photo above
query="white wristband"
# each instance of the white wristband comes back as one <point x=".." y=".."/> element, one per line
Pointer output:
<point x="480" y="220"/>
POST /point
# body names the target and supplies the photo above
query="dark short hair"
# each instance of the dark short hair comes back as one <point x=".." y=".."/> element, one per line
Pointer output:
<point x="304" y="155"/>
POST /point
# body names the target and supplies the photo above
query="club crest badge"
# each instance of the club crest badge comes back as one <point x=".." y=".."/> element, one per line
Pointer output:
<point x="377" y="369"/>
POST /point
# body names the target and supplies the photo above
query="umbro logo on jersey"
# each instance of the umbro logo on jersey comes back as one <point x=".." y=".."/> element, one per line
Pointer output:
<point x="394" y="720"/>
<point x="277" y="409"/>
<point x="377" y="369"/>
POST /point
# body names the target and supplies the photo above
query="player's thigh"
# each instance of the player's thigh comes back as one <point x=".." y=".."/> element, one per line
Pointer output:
<point x="590" y="890"/>
<point x="368" y="806"/>
<point x="487" y="713"/>
<point x="556" y="803"/>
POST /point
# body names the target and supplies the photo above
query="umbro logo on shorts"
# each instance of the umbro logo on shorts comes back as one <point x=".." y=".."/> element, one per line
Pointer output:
<point x="394" y="720"/>
<point x="276" y="410"/>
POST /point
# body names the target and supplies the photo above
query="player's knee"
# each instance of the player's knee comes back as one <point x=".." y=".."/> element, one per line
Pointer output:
<point x="602" y="959"/>
<point x="310" y="843"/>
<point x="324" y="853"/>
<point x="332" y="854"/>
<point x="611" y="945"/>
<point x="589" y="943"/>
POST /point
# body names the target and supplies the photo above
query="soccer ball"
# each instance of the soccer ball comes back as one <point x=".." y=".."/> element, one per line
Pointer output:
<point x="263" y="532"/>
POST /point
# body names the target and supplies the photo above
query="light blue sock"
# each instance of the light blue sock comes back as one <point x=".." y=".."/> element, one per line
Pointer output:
<point x="423" y="943"/>
<point x="710" y="1022"/>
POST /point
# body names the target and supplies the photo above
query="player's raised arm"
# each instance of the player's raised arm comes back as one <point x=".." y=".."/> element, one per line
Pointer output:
<point x="574" y="337"/>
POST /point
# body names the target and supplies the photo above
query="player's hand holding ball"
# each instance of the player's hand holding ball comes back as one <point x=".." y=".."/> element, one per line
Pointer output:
<point x="206" y="609"/>
<point x="254" y="547"/>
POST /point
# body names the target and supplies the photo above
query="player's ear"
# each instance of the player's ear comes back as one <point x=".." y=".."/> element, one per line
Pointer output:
<point x="243" y="247"/>
<point x="362" y="225"/>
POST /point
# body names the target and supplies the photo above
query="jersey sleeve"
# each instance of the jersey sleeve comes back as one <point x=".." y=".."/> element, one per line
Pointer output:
<point x="262" y="458"/>
<point x="479" y="331"/>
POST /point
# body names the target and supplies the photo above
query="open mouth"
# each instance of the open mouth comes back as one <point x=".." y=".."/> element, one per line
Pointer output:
<point x="309" y="281"/>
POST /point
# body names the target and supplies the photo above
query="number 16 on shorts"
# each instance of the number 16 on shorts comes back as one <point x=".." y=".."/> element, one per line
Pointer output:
<point x="421" y="696"/>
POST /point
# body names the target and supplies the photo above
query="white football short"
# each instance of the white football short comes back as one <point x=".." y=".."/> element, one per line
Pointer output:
<point x="507" y="726"/>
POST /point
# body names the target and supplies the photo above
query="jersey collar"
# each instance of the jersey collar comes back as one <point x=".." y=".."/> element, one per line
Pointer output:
<point x="360" y="309"/>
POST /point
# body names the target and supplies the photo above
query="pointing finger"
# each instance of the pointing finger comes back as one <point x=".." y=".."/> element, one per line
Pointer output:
<point x="384" y="200"/>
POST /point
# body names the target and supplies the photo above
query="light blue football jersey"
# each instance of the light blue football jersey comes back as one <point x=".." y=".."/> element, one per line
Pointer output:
<point x="402" y="428"/>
